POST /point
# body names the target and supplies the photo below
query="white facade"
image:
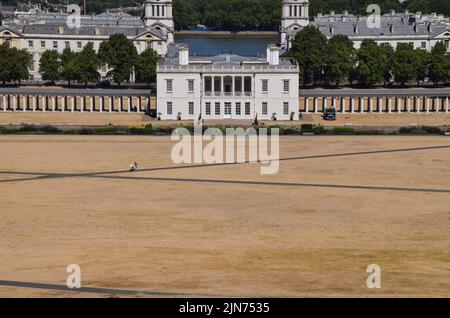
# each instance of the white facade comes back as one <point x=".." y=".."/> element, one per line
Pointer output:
<point x="227" y="87"/>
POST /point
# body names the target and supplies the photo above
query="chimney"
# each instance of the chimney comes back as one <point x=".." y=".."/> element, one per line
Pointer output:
<point x="61" y="29"/>
<point x="184" y="55"/>
<point x="273" y="56"/>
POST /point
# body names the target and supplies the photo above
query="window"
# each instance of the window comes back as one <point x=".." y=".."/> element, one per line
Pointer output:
<point x="285" y="108"/>
<point x="169" y="86"/>
<point x="208" y="109"/>
<point x="208" y="84"/>
<point x="228" y="109"/>
<point x="247" y="109"/>
<point x="191" y="108"/>
<point x="424" y="45"/>
<point x="169" y="108"/>
<point x="32" y="66"/>
<point x="238" y="109"/>
<point x="42" y="43"/>
<point x="55" y="44"/>
<point x="67" y="45"/>
<point x="191" y="86"/>
<point x="247" y="84"/>
<point x="80" y="45"/>
<point x="264" y="108"/>
<point x="265" y="86"/>
<point x="217" y="84"/>
<point x="30" y="43"/>
<point x="238" y="84"/>
<point x="286" y="86"/>
<point x="217" y="109"/>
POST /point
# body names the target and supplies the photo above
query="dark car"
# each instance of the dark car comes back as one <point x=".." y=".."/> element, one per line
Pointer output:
<point x="329" y="114"/>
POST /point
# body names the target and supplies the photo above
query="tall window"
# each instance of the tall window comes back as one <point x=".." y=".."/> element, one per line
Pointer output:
<point x="169" y="86"/>
<point x="191" y="86"/>
<point x="265" y="86"/>
<point x="208" y="84"/>
<point x="247" y="84"/>
<point x="67" y="45"/>
<point x="286" y="86"/>
<point x="191" y="108"/>
<point x="228" y="109"/>
<point x="217" y="109"/>
<point x="30" y="43"/>
<point x="238" y="109"/>
<point x="55" y="44"/>
<point x="42" y="43"/>
<point x="247" y="109"/>
<point x="169" y="108"/>
<point x="208" y="108"/>
<point x="238" y="84"/>
<point x="264" y="108"/>
<point x="285" y="108"/>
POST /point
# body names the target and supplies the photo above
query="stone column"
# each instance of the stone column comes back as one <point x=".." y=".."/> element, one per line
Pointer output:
<point x="369" y="104"/>
<point x="91" y="105"/>
<point x="14" y="103"/>
<point x="63" y="103"/>
<point x="130" y="102"/>
<point x="111" y="104"/>
<point x="44" y="104"/>
<point x="72" y="102"/>
<point x="352" y="105"/>
<point x="380" y="104"/>
<point x="416" y="103"/>
<point x="24" y="104"/>
<point x="446" y="104"/>
<point x="306" y="104"/>
<point x="4" y="103"/>
<point x="316" y="105"/>
<point x="408" y="101"/>
<point x="398" y="100"/>
<point x="361" y="104"/>
<point x="436" y="104"/>
<point x="343" y="105"/>
<point x="34" y="103"/>
<point x="101" y="104"/>
<point x="324" y="104"/>
<point x="82" y="102"/>
<point x="390" y="105"/>
<point x="427" y="102"/>
<point x="53" y="104"/>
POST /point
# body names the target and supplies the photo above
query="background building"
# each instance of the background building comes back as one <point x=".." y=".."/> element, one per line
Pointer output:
<point x="419" y="30"/>
<point x="37" y="31"/>
<point x="227" y="86"/>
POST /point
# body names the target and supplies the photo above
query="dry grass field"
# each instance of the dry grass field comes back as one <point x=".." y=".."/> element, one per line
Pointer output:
<point x="67" y="118"/>
<point x="338" y="205"/>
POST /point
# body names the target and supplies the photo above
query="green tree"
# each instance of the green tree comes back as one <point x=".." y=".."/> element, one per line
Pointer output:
<point x="88" y="63"/>
<point x="146" y="66"/>
<point x="439" y="64"/>
<point x="69" y="66"/>
<point x="50" y="66"/>
<point x="404" y="64"/>
<point x="372" y="63"/>
<point x="5" y="68"/>
<point x="388" y="69"/>
<point x="309" y="49"/>
<point x="120" y="55"/>
<point x="422" y="61"/>
<point x="20" y="64"/>
<point x="339" y="59"/>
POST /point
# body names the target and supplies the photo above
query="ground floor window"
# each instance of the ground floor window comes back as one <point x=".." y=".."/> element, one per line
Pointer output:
<point x="286" y="108"/>
<point x="208" y="109"/>
<point x="238" y="109"/>
<point x="169" y="108"/>
<point x="227" y="109"/>
<point x="264" y="108"/>
<point x="217" y="109"/>
<point x="191" y="108"/>
<point x="247" y="109"/>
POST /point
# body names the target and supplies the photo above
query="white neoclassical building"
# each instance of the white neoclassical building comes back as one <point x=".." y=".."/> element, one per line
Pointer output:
<point x="227" y="86"/>
<point x="419" y="30"/>
<point x="37" y="31"/>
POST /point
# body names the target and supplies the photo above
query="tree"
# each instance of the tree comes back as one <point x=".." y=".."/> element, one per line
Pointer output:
<point x="372" y="63"/>
<point x="388" y="69"/>
<point x="422" y="61"/>
<point x="69" y="66"/>
<point x="404" y="64"/>
<point x="146" y="66"/>
<point x="439" y="64"/>
<point x="50" y="66"/>
<point x="4" y="63"/>
<point x="309" y="49"/>
<point x="120" y="55"/>
<point x="87" y="64"/>
<point x="20" y="63"/>
<point x="339" y="59"/>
